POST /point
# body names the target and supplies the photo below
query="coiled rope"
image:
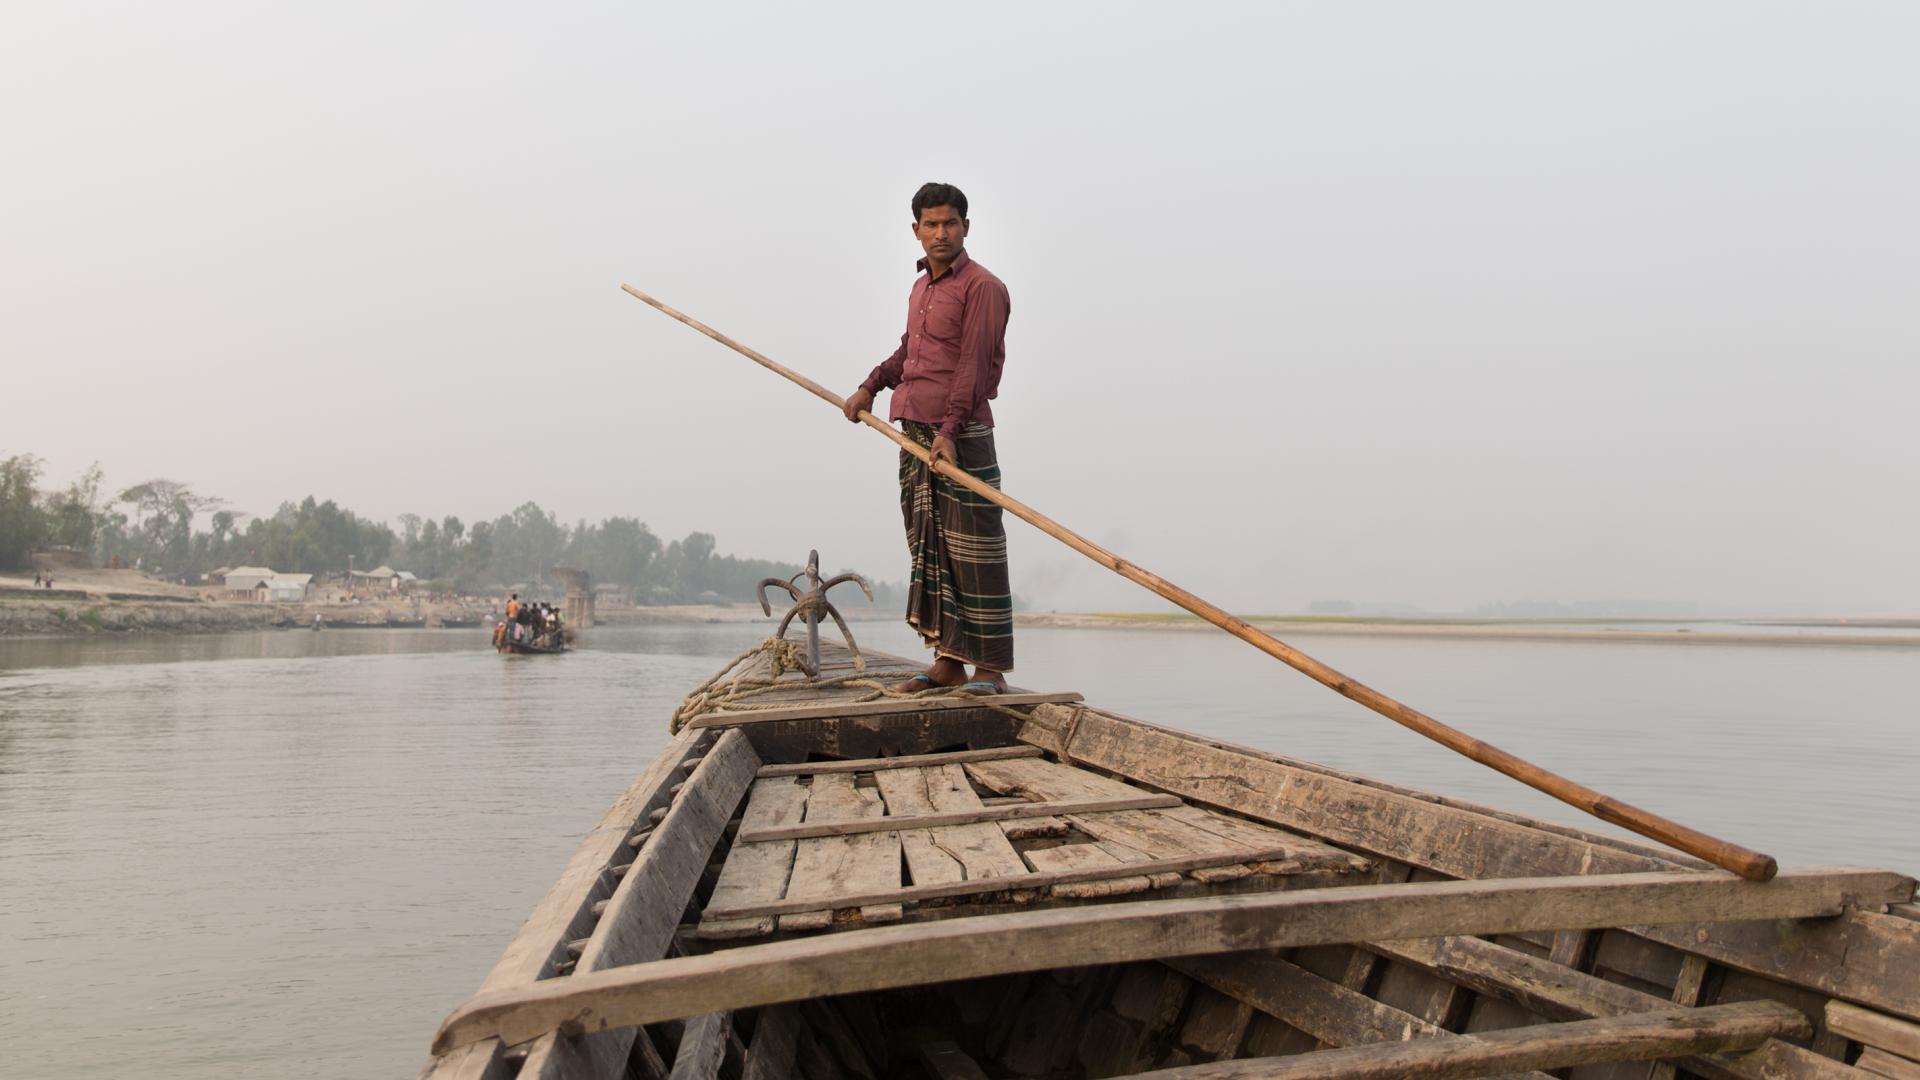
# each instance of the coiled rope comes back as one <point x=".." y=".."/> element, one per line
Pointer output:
<point x="721" y="696"/>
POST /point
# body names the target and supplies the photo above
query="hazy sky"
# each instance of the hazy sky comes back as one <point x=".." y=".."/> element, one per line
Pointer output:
<point x="1439" y="304"/>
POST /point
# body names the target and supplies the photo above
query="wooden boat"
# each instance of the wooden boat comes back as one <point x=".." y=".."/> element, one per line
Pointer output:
<point x="818" y="881"/>
<point x="552" y="643"/>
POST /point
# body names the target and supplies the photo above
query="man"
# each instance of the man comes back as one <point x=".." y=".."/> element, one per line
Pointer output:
<point x="944" y="373"/>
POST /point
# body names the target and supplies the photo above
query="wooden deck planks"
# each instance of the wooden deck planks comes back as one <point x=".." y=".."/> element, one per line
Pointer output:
<point x="974" y="815"/>
<point x="969" y="852"/>
<point x="757" y="873"/>
<point x="1068" y="857"/>
<point x="887" y="957"/>
<point x="828" y="867"/>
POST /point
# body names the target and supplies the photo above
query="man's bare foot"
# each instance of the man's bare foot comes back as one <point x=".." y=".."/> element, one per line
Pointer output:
<point x="945" y="671"/>
<point x="983" y="679"/>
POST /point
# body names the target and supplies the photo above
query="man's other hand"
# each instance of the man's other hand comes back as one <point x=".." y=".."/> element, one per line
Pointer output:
<point x="944" y="450"/>
<point x="859" y="401"/>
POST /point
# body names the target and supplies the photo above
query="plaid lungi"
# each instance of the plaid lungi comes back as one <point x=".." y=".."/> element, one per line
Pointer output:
<point x="958" y="597"/>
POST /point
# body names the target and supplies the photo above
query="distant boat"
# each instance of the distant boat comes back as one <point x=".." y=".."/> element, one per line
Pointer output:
<point x="549" y="643"/>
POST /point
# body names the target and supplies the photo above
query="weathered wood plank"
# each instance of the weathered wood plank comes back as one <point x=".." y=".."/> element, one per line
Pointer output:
<point x="1881" y="965"/>
<point x="975" y="816"/>
<point x="888" y="957"/>
<point x="757" y="873"/>
<point x="1082" y="857"/>
<point x="963" y="852"/>
<point x="1874" y="1029"/>
<point x="921" y="893"/>
<point x="1880" y="1063"/>
<point x="886" y="707"/>
<point x="1687" y="988"/>
<point x="645" y="909"/>
<point x="1164" y="834"/>
<point x="1042" y="781"/>
<point x="1641" y="1037"/>
<point x="1323" y="1009"/>
<point x="1540" y="986"/>
<point x="904" y="761"/>
<point x="1863" y="957"/>
<point x="1029" y="828"/>
<point x="775" y="1041"/>
<point x="828" y="868"/>
<point x="703" y="1046"/>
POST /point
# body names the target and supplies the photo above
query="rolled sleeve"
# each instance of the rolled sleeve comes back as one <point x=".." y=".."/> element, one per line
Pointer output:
<point x="887" y="375"/>
<point x="983" y="327"/>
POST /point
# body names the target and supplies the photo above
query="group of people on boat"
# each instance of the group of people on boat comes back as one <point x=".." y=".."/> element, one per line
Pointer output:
<point x="535" y="624"/>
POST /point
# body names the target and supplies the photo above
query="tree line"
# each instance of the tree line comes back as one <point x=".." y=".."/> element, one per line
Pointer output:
<point x="171" y="531"/>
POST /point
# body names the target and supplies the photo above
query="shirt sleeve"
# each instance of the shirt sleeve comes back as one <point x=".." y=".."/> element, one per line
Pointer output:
<point x="983" y="326"/>
<point x="887" y="375"/>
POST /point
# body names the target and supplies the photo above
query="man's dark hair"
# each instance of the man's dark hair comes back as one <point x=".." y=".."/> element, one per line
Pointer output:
<point x="939" y="195"/>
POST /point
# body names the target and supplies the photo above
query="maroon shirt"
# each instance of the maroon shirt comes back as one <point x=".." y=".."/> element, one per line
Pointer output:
<point x="948" y="364"/>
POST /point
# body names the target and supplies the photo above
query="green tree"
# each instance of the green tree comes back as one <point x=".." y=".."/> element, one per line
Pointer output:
<point x="23" y="525"/>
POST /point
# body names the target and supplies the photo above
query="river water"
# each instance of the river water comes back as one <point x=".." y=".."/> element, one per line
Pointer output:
<point x="291" y="854"/>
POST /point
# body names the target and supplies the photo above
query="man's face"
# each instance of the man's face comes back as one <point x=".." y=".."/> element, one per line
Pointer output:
<point x="942" y="232"/>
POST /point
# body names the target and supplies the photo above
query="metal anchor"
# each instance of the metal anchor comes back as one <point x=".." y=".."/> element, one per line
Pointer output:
<point x="810" y="604"/>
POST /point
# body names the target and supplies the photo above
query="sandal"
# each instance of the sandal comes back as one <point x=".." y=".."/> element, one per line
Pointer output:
<point x="985" y="688"/>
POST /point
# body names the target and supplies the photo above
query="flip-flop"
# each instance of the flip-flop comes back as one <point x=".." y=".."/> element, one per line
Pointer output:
<point x="922" y="677"/>
<point x="986" y="688"/>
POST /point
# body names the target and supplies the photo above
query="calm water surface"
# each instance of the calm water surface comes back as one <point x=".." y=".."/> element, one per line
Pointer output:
<point x="290" y="854"/>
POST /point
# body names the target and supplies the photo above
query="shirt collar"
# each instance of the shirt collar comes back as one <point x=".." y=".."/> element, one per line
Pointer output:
<point x="960" y="262"/>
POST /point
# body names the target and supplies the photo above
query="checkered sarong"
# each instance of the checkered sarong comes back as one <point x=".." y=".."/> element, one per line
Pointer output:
<point x="958" y="596"/>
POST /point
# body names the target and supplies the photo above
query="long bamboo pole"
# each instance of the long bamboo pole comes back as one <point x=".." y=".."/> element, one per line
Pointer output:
<point x="1747" y="863"/>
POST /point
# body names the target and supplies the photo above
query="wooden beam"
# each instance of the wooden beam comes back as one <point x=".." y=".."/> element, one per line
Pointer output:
<point x="566" y="911"/>
<point x="1323" y="1009"/>
<point x="1864" y="957"/>
<point x="1009" y="812"/>
<point x="1276" y="863"/>
<point x="775" y="1042"/>
<point x="1542" y="987"/>
<point x="908" y="955"/>
<point x="1874" y="1029"/>
<point x="1642" y="1037"/>
<point x="644" y="911"/>
<point x="904" y="761"/>
<point x="884" y="707"/>
<point x="702" y="1047"/>
<point x="1892" y="1066"/>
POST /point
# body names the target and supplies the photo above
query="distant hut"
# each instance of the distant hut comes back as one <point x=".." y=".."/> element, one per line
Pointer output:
<point x="284" y="588"/>
<point x="242" y="582"/>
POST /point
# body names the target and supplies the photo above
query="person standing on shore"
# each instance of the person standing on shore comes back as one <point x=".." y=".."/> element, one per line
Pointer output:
<point x="944" y="373"/>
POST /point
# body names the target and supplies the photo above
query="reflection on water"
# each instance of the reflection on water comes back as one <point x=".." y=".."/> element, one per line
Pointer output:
<point x="291" y="853"/>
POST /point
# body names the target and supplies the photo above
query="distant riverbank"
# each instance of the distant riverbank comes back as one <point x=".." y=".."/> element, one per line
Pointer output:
<point x="1885" y="632"/>
<point x="96" y="602"/>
